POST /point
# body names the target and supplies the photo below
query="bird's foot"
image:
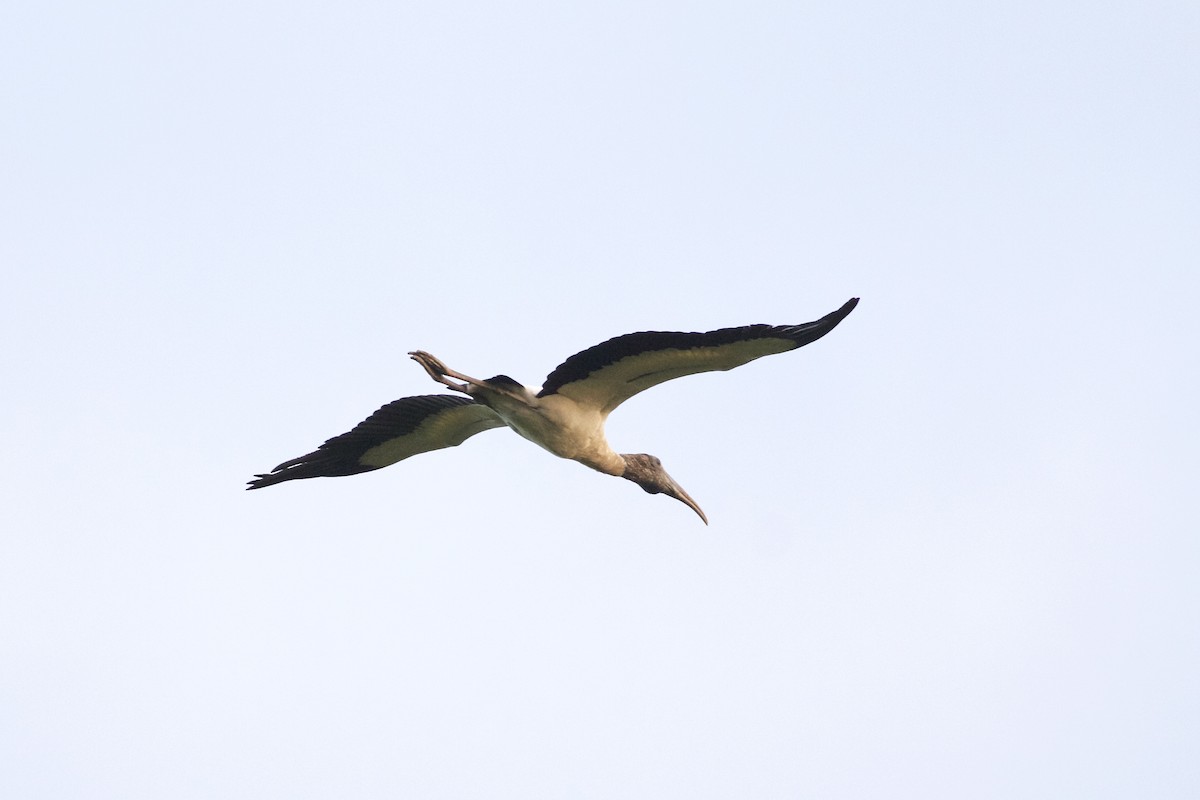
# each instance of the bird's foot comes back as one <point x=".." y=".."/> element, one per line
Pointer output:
<point x="441" y="373"/>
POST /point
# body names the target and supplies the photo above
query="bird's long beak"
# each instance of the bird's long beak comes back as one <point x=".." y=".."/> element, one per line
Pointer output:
<point x="673" y="489"/>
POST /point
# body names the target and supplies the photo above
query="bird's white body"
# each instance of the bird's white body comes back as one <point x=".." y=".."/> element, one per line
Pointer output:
<point x="557" y="424"/>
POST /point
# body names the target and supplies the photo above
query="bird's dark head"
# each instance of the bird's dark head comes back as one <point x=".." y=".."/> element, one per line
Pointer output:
<point x="647" y="472"/>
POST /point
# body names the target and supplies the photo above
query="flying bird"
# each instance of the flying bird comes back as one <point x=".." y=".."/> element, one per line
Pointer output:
<point x="565" y="417"/>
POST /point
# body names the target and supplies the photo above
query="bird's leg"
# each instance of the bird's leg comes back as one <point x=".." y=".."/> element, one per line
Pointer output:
<point x="442" y="374"/>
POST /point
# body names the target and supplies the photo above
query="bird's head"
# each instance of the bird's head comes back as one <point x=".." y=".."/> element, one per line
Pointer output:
<point x="647" y="472"/>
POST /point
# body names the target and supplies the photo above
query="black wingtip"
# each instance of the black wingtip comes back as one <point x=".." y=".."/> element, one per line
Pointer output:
<point x="261" y="481"/>
<point x="809" y="332"/>
<point x="830" y="321"/>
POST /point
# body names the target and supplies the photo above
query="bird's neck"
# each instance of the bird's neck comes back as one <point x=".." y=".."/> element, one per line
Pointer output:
<point x="634" y="468"/>
<point x="609" y="463"/>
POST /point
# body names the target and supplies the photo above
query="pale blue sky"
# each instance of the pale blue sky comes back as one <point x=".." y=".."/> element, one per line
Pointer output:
<point x="954" y="545"/>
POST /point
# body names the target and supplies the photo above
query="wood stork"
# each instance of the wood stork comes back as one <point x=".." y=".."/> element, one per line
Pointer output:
<point x="565" y="417"/>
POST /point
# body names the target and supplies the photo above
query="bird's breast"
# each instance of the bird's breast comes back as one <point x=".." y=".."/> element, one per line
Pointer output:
<point x="566" y="429"/>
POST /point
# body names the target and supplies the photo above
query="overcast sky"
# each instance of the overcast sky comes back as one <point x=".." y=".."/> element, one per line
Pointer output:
<point x="954" y="548"/>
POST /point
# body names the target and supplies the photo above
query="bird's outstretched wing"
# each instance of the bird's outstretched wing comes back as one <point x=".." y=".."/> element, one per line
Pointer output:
<point x="610" y="373"/>
<point x="406" y="427"/>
